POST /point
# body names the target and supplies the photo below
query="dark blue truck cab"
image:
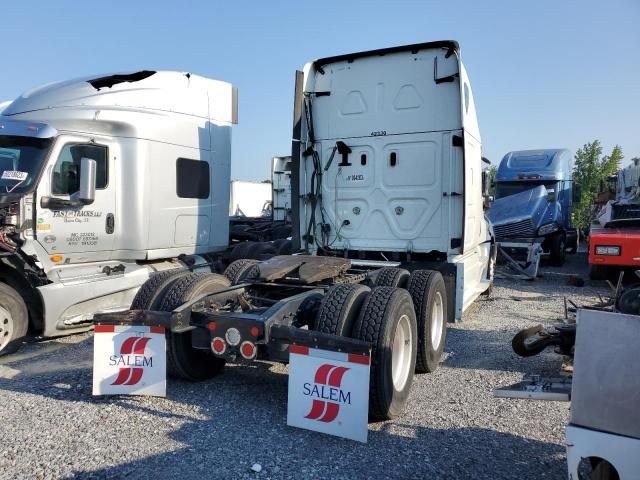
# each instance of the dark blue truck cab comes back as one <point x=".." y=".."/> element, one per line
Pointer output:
<point x="533" y="201"/>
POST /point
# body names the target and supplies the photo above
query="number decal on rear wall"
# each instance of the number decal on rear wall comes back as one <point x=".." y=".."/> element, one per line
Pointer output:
<point x="379" y="133"/>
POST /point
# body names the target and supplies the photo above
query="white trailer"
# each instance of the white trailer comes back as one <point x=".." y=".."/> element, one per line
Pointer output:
<point x="105" y="179"/>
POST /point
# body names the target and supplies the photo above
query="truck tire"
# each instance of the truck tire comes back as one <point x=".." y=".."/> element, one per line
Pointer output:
<point x="557" y="250"/>
<point x="387" y="320"/>
<point x="282" y="246"/>
<point x="429" y="296"/>
<point x="240" y="251"/>
<point x="241" y="269"/>
<point x="393" y="277"/>
<point x="14" y="319"/>
<point x="183" y="360"/>
<point x="573" y="244"/>
<point x="340" y="308"/>
<point x="153" y="288"/>
<point x="261" y="251"/>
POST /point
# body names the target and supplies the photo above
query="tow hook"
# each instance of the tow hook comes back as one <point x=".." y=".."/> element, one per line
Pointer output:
<point x="564" y="337"/>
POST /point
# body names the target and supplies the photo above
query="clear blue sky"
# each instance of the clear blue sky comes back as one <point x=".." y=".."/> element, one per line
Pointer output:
<point x="545" y="73"/>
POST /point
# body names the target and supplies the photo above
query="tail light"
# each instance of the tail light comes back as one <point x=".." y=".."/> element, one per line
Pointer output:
<point x="218" y="345"/>
<point x="248" y="350"/>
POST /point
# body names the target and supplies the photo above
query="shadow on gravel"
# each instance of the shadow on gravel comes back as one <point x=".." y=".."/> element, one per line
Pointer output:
<point x="415" y="453"/>
<point x="491" y="350"/>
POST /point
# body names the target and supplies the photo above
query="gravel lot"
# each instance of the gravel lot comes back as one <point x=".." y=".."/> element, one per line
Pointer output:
<point x="52" y="427"/>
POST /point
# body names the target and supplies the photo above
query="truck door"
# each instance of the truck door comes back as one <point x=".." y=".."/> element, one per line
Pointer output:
<point x="79" y="232"/>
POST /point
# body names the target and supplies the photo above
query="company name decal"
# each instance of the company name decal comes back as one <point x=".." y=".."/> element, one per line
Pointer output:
<point x="326" y="393"/>
<point x="76" y="213"/>
<point x="132" y="360"/>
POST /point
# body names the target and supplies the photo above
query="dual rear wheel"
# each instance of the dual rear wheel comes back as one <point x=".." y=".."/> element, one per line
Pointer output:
<point x="165" y="291"/>
<point x="405" y="326"/>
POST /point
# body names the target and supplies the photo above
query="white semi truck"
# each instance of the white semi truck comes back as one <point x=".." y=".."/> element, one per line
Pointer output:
<point x="102" y="181"/>
<point x="390" y="239"/>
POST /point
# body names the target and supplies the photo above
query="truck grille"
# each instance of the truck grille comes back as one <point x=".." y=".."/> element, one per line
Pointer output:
<point x="524" y="228"/>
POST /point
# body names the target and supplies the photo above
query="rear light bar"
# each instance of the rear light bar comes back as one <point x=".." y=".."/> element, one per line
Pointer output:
<point x="608" y="250"/>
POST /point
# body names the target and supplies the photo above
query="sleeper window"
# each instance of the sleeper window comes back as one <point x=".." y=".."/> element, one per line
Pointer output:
<point x="66" y="171"/>
<point x="192" y="178"/>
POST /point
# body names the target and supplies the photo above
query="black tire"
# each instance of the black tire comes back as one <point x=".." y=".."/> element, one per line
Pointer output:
<point x="557" y="250"/>
<point x="573" y="244"/>
<point x="153" y="288"/>
<point x="242" y="269"/>
<point x="425" y="286"/>
<point x="286" y="248"/>
<point x="240" y="251"/>
<point x="629" y="301"/>
<point x="261" y="251"/>
<point x="377" y="323"/>
<point x="183" y="360"/>
<point x="13" y="327"/>
<point x="340" y="308"/>
<point x="393" y="277"/>
<point x="282" y="231"/>
<point x="278" y="242"/>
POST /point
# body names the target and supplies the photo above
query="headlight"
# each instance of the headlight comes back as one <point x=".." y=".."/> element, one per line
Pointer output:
<point x="607" y="250"/>
<point x="547" y="229"/>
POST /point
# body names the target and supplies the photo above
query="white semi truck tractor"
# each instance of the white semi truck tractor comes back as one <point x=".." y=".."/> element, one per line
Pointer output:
<point x="103" y="180"/>
<point x="390" y="239"/>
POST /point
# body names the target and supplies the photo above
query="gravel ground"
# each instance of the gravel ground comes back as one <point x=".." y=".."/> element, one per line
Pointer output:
<point x="52" y="427"/>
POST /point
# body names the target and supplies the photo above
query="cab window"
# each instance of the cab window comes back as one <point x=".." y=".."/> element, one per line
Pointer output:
<point x="66" y="171"/>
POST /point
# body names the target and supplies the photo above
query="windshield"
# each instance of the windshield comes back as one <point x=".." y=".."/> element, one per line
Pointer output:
<point x="21" y="159"/>
<point x="505" y="189"/>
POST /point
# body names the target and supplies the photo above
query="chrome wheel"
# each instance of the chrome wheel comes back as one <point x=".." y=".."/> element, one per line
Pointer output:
<point x="401" y="355"/>
<point x="437" y="321"/>
<point x="6" y="327"/>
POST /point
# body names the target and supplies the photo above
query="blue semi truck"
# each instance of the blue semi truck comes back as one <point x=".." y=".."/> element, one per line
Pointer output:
<point x="531" y="213"/>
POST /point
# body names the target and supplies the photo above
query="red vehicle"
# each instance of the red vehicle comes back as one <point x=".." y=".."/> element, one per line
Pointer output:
<point x="615" y="242"/>
<point x="613" y="247"/>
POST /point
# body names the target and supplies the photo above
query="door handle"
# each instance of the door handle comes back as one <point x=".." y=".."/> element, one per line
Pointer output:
<point x="110" y="223"/>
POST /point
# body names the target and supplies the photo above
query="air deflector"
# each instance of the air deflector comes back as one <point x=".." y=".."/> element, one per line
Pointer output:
<point x="111" y="80"/>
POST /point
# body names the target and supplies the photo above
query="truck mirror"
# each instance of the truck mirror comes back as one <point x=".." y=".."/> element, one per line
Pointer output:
<point x="87" y="191"/>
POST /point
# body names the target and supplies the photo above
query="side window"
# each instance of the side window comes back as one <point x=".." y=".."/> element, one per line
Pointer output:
<point x="66" y="171"/>
<point x="192" y="178"/>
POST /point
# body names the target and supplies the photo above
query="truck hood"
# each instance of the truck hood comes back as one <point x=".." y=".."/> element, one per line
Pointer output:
<point x="527" y="210"/>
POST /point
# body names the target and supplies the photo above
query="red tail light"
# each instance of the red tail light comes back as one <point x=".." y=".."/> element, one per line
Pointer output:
<point x="248" y="350"/>
<point x="218" y="345"/>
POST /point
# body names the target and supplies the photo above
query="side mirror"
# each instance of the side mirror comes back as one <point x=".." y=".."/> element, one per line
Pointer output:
<point x="87" y="191"/>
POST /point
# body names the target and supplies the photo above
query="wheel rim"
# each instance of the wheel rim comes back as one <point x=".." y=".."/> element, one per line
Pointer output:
<point x="401" y="355"/>
<point x="437" y="321"/>
<point x="6" y="327"/>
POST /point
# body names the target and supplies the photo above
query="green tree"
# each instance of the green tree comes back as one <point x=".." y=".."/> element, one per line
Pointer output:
<point x="590" y="171"/>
